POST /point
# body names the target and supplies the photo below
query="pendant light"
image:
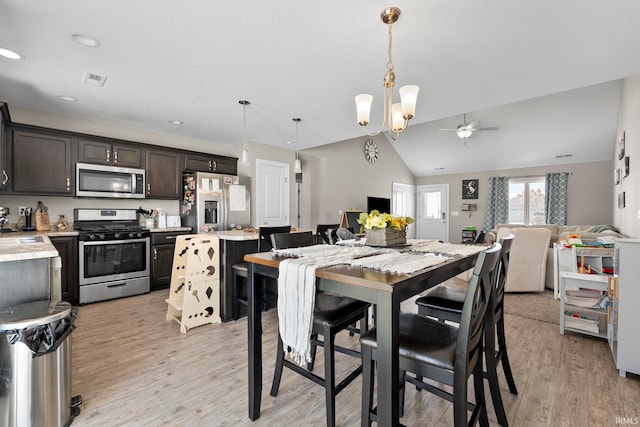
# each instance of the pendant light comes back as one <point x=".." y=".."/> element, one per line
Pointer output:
<point x="297" y="166"/>
<point x="244" y="156"/>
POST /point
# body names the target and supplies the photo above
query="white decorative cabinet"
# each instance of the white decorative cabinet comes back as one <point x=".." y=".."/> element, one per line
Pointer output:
<point x="624" y="316"/>
<point x="599" y="260"/>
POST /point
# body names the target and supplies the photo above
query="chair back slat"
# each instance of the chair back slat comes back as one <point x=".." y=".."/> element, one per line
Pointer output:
<point x="501" y="275"/>
<point x="264" y="236"/>
<point x="292" y="240"/>
<point x="321" y="232"/>
<point x="476" y="303"/>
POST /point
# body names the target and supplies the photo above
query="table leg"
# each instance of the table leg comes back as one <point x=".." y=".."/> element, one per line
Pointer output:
<point x="254" y="321"/>
<point x="387" y="319"/>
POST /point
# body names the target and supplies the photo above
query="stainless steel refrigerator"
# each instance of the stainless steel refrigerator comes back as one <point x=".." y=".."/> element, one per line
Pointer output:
<point x="215" y="202"/>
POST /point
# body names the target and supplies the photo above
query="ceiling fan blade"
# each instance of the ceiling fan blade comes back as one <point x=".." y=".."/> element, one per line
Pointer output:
<point x="488" y="128"/>
<point x="452" y="130"/>
<point x="473" y="126"/>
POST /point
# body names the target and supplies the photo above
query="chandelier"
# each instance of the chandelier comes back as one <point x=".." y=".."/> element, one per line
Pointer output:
<point x="395" y="115"/>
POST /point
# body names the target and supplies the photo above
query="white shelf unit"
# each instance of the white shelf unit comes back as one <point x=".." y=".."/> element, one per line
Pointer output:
<point x="194" y="293"/>
<point x="624" y="316"/>
<point x="568" y="259"/>
<point x="576" y="291"/>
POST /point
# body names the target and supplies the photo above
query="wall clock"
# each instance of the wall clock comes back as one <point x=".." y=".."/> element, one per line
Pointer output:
<point x="370" y="151"/>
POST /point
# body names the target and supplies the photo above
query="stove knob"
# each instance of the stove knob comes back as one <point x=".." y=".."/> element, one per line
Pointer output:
<point x="131" y="235"/>
<point x="101" y="236"/>
<point x="139" y="234"/>
<point x="117" y="235"/>
<point x="92" y="236"/>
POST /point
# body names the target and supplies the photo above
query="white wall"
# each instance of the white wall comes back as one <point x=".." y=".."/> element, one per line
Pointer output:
<point x="628" y="218"/>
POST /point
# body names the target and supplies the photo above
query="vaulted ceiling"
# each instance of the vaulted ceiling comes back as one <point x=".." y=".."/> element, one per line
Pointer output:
<point x="545" y="73"/>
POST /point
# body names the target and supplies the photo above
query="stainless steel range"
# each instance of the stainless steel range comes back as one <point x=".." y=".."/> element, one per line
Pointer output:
<point x="113" y="254"/>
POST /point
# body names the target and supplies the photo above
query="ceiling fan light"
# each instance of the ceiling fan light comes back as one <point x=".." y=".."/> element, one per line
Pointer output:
<point x="408" y="98"/>
<point x="398" y="122"/>
<point x="464" y="133"/>
<point x="363" y="108"/>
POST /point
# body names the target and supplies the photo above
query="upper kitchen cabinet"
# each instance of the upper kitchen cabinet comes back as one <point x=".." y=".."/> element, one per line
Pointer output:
<point x="210" y="163"/>
<point x="39" y="162"/>
<point x="110" y="152"/>
<point x="164" y="174"/>
<point x="4" y="120"/>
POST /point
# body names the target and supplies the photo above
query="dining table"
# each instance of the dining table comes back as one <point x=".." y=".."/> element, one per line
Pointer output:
<point x="384" y="289"/>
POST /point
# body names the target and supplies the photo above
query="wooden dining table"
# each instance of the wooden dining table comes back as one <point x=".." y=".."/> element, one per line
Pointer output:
<point x="384" y="289"/>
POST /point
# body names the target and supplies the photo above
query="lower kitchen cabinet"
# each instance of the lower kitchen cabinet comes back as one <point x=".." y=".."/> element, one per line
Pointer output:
<point x="162" y="247"/>
<point x="67" y="248"/>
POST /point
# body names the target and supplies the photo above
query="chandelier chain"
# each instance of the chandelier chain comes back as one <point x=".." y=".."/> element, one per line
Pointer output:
<point x="389" y="60"/>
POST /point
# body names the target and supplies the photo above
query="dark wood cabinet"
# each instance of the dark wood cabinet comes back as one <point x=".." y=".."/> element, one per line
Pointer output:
<point x="110" y="152"/>
<point x="40" y="163"/>
<point x="67" y="248"/>
<point x="164" y="174"/>
<point x="211" y="163"/>
<point x="4" y="119"/>
<point x="162" y="247"/>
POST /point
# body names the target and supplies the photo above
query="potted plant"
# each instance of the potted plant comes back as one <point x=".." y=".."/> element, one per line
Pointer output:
<point x="383" y="229"/>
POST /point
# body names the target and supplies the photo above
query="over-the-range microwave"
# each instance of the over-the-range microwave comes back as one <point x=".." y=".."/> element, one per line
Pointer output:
<point x="109" y="181"/>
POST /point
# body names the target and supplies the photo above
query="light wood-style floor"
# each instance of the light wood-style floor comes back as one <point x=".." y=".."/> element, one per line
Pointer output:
<point x="134" y="368"/>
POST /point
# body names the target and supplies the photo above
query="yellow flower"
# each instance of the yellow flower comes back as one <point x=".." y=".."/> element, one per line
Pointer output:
<point x="375" y="220"/>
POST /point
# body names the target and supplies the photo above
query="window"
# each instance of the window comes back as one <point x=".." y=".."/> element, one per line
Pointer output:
<point x="527" y="200"/>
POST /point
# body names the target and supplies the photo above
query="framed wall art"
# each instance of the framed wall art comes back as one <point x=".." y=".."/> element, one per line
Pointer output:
<point x="621" y="147"/>
<point x="616" y="176"/>
<point x="626" y="166"/>
<point x="469" y="188"/>
<point x="621" y="200"/>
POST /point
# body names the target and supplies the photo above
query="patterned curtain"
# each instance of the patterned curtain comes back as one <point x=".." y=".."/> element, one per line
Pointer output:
<point x="497" y="202"/>
<point x="556" y="198"/>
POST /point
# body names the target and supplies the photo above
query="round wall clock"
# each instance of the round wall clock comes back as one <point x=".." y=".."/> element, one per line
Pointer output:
<point x="370" y="151"/>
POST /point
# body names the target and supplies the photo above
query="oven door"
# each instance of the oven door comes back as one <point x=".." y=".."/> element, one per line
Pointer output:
<point x="107" y="261"/>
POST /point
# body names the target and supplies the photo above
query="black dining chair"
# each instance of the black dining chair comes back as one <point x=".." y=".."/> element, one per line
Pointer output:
<point x="241" y="270"/>
<point x="331" y="315"/>
<point x="321" y="233"/>
<point x="445" y="303"/>
<point x="441" y="352"/>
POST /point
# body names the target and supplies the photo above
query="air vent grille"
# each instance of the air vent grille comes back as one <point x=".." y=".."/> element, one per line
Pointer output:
<point x="562" y="156"/>
<point x="94" y="79"/>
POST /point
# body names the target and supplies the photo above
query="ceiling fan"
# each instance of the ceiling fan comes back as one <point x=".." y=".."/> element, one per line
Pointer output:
<point x="465" y="130"/>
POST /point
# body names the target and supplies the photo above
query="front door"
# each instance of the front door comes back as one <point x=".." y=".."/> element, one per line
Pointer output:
<point x="272" y="198"/>
<point x="433" y="212"/>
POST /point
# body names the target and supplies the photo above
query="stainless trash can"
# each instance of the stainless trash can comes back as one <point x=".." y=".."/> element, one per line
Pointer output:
<point x="35" y="365"/>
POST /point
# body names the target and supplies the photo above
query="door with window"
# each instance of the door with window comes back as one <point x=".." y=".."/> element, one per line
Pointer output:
<point x="272" y="188"/>
<point x="433" y="212"/>
<point x="403" y="203"/>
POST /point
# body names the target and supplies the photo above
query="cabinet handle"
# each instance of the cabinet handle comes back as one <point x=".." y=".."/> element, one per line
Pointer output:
<point x="68" y="183"/>
<point x="210" y="165"/>
<point x="148" y="189"/>
<point x="5" y="177"/>
<point x="215" y="166"/>
<point x="170" y="238"/>
<point x="115" y="156"/>
<point x="155" y="253"/>
<point x="108" y="155"/>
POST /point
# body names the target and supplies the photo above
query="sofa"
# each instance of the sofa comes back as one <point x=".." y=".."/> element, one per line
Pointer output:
<point x="587" y="233"/>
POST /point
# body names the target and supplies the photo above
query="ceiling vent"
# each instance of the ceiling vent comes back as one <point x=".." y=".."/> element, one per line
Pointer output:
<point x="562" y="156"/>
<point x="94" y="79"/>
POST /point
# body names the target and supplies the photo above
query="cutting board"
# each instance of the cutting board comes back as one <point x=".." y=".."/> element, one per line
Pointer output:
<point x="42" y="221"/>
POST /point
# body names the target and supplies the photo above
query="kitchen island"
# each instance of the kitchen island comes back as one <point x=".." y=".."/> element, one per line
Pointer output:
<point x="30" y="269"/>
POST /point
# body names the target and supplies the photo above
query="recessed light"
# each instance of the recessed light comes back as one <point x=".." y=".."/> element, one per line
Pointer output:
<point x="288" y="142"/>
<point x="7" y="53"/>
<point x="86" y="40"/>
<point x="175" y="122"/>
<point x="67" y="98"/>
<point x="439" y="169"/>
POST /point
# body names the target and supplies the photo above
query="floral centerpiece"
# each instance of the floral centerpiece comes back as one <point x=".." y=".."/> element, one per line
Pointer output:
<point x="383" y="229"/>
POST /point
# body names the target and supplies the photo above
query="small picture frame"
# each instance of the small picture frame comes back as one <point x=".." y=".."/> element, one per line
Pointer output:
<point x="621" y="147"/>
<point x="626" y="166"/>
<point x="621" y="200"/>
<point x="616" y="176"/>
<point x="469" y="188"/>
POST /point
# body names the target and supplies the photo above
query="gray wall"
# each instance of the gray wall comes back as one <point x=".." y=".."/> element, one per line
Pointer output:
<point x="336" y="177"/>
<point x="590" y="185"/>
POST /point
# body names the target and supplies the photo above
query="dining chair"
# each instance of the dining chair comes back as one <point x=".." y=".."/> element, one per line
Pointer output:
<point x="241" y="270"/>
<point x="321" y="232"/>
<point x="331" y="315"/>
<point x="446" y="302"/>
<point x="441" y="352"/>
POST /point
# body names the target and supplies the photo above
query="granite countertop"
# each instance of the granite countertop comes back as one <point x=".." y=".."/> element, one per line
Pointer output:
<point x="20" y="246"/>
<point x="169" y="229"/>
<point x="236" y="235"/>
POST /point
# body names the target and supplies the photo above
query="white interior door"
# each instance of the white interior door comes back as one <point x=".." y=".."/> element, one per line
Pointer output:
<point x="272" y="198"/>
<point x="433" y="212"/>
<point x="403" y="203"/>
